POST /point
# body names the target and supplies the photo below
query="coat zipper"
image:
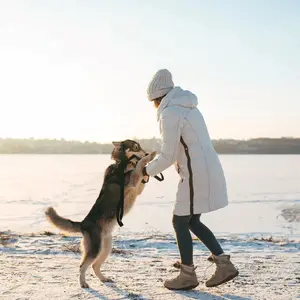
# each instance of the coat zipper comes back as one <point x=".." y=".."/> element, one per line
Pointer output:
<point x="191" y="184"/>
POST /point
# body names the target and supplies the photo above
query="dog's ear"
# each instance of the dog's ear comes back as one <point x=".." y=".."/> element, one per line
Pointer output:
<point x="116" y="144"/>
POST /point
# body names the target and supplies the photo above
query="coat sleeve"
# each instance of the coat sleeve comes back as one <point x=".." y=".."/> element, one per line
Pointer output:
<point x="170" y="124"/>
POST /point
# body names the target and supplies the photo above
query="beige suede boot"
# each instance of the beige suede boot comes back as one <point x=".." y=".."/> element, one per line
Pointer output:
<point x="225" y="271"/>
<point x="186" y="280"/>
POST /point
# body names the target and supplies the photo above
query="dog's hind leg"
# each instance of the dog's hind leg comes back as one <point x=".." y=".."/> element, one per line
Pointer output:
<point x="85" y="263"/>
<point x="91" y="244"/>
<point x="105" y="250"/>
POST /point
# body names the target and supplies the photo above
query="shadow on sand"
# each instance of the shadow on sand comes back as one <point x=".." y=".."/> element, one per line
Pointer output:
<point x="186" y="294"/>
<point x="207" y="296"/>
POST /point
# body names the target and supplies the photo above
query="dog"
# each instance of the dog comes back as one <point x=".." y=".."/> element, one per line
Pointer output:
<point x="97" y="226"/>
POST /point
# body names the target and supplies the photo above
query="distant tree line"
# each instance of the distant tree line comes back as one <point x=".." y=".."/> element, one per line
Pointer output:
<point x="259" y="146"/>
<point x="62" y="146"/>
<point x="228" y="146"/>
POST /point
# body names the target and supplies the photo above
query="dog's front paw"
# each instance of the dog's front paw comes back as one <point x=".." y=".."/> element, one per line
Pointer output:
<point x="152" y="155"/>
<point x="148" y="158"/>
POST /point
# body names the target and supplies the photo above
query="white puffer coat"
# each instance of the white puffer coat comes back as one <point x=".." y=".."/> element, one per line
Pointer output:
<point x="187" y="144"/>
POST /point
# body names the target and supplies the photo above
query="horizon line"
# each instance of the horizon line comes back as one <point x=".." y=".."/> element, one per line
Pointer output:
<point x="140" y="138"/>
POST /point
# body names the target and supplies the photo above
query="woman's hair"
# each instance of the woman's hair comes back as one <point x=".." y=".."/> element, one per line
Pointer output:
<point x="157" y="101"/>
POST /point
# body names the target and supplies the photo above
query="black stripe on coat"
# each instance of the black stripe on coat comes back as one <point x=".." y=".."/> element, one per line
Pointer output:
<point x="186" y="150"/>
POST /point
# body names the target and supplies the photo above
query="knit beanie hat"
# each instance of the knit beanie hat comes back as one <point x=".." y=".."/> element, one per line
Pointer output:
<point x="160" y="84"/>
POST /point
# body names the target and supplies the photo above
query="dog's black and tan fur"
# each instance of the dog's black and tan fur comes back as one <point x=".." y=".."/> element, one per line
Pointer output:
<point x="98" y="225"/>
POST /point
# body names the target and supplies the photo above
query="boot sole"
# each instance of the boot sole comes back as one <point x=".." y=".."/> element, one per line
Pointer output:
<point x="183" y="289"/>
<point x="225" y="280"/>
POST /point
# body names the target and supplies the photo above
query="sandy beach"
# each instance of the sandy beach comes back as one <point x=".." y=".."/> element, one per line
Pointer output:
<point x="260" y="229"/>
<point x="37" y="267"/>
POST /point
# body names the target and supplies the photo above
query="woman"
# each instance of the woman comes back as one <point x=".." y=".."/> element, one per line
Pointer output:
<point x="202" y="187"/>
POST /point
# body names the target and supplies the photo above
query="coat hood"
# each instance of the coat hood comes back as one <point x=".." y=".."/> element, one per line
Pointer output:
<point x="177" y="97"/>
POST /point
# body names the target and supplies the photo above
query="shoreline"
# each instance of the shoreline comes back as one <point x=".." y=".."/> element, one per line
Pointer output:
<point x="108" y="153"/>
<point x="45" y="266"/>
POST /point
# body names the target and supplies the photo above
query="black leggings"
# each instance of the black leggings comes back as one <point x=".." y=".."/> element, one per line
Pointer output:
<point x="182" y="226"/>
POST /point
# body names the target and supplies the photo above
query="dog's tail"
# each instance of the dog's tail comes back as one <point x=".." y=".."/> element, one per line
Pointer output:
<point x="60" y="222"/>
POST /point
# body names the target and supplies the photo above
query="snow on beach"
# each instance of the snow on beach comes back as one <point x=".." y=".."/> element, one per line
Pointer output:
<point x="45" y="266"/>
<point x="260" y="229"/>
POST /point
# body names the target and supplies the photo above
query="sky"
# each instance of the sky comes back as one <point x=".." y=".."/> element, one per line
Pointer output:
<point x="80" y="69"/>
